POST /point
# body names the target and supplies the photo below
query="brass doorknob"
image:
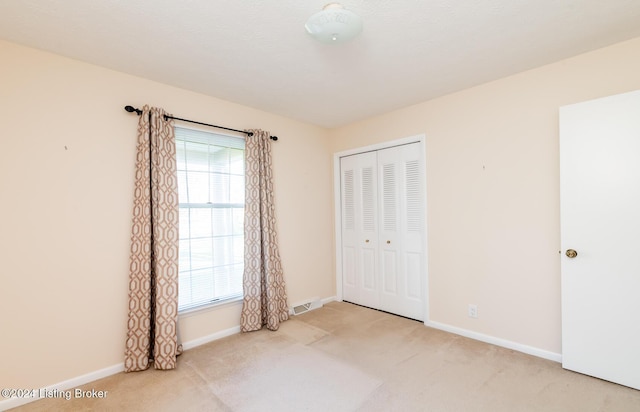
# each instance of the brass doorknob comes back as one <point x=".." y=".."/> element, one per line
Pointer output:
<point x="388" y="241"/>
<point x="571" y="253"/>
<point x="367" y="241"/>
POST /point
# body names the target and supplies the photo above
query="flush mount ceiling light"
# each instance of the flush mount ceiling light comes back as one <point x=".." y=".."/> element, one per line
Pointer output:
<point x="334" y="24"/>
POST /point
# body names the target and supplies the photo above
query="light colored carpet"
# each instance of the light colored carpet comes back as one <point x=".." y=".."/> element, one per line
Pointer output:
<point x="343" y="357"/>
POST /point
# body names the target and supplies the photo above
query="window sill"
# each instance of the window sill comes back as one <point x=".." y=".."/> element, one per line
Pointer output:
<point x="210" y="306"/>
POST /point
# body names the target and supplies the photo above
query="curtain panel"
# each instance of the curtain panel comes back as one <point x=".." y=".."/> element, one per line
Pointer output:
<point x="265" y="298"/>
<point x="153" y="273"/>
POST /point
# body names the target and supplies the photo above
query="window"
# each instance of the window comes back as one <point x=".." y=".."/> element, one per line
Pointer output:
<point x="211" y="196"/>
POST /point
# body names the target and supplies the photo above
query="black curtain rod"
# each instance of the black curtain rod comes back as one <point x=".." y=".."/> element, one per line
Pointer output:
<point x="132" y="109"/>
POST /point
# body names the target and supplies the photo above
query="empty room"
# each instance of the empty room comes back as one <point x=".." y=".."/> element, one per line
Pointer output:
<point x="312" y="206"/>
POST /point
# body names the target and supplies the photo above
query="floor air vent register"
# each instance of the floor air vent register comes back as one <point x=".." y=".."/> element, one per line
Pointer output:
<point x="301" y="308"/>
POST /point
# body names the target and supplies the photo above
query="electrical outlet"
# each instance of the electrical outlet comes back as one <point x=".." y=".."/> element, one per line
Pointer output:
<point x="473" y="311"/>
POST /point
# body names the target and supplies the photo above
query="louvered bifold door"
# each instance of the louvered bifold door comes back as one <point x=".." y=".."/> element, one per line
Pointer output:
<point x="401" y="243"/>
<point x="360" y="229"/>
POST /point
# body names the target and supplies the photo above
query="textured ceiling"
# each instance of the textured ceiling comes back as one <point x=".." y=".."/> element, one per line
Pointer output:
<point x="257" y="53"/>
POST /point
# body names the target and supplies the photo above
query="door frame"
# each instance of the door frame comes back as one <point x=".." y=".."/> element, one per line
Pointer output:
<point x="421" y="140"/>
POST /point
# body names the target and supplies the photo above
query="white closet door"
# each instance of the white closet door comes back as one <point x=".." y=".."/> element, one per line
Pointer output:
<point x="401" y="233"/>
<point x="360" y="229"/>
<point x="383" y="230"/>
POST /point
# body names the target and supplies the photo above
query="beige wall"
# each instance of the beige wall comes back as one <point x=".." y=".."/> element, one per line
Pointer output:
<point x="493" y="190"/>
<point x="66" y="184"/>
<point x="66" y="169"/>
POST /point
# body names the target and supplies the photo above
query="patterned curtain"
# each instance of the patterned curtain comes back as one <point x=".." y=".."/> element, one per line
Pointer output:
<point x="153" y="272"/>
<point x="265" y="299"/>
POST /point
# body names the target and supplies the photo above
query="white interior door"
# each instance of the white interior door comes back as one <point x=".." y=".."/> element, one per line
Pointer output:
<point x="600" y="220"/>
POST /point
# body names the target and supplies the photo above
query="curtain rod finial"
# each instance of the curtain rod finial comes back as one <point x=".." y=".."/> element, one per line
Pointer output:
<point x="132" y="109"/>
<point x="274" y="138"/>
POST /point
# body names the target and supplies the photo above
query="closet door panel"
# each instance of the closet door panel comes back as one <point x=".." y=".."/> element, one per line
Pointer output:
<point x="360" y="228"/>
<point x="348" y="207"/>
<point x="414" y="229"/>
<point x="393" y="278"/>
<point x="401" y="235"/>
<point x="368" y="264"/>
<point x="413" y="263"/>
<point x="367" y="223"/>
<point x="390" y="272"/>
<point x="349" y="268"/>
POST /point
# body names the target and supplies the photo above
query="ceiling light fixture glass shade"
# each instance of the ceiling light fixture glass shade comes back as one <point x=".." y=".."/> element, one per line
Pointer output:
<point x="334" y="24"/>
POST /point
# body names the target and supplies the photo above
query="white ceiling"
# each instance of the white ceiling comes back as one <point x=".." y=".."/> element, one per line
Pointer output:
<point x="257" y="53"/>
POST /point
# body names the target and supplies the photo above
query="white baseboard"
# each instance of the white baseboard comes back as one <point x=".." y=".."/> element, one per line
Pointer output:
<point x="112" y="370"/>
<point x="67" y="385"/>
<point x="210" y="338"/>
<point x="529" y="350"/>
<point x="73" y="383"/>
<point x="329" y="299"/>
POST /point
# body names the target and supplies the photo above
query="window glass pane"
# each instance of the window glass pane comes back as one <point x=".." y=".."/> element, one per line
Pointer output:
<point x="238" y="221"/>
<point x="182" y="187"/>
<point x="198" y="187"/>
<point x="222" y="221"/>
<point x="183" y="224"/>
<point x="181" y="161"/>
<point x="219" y="159"/>
<point x="197" y="157"/>
<point x="211" y="195"/>
<point x="223" y="250"/>
<point x="184" y="257"/>
<point x="201" y="253"/>
<point x="236" y="278"/>
<point x="238" y="249"/>
<point x="220" y="188"/>
<point x="202" y="285"/>
<point x="236" y="162"/>
<point x="222" y="280"/>
<point x="200" y="222"/>
<point x="184" y="282"/>
<point x="236" y="189"/>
